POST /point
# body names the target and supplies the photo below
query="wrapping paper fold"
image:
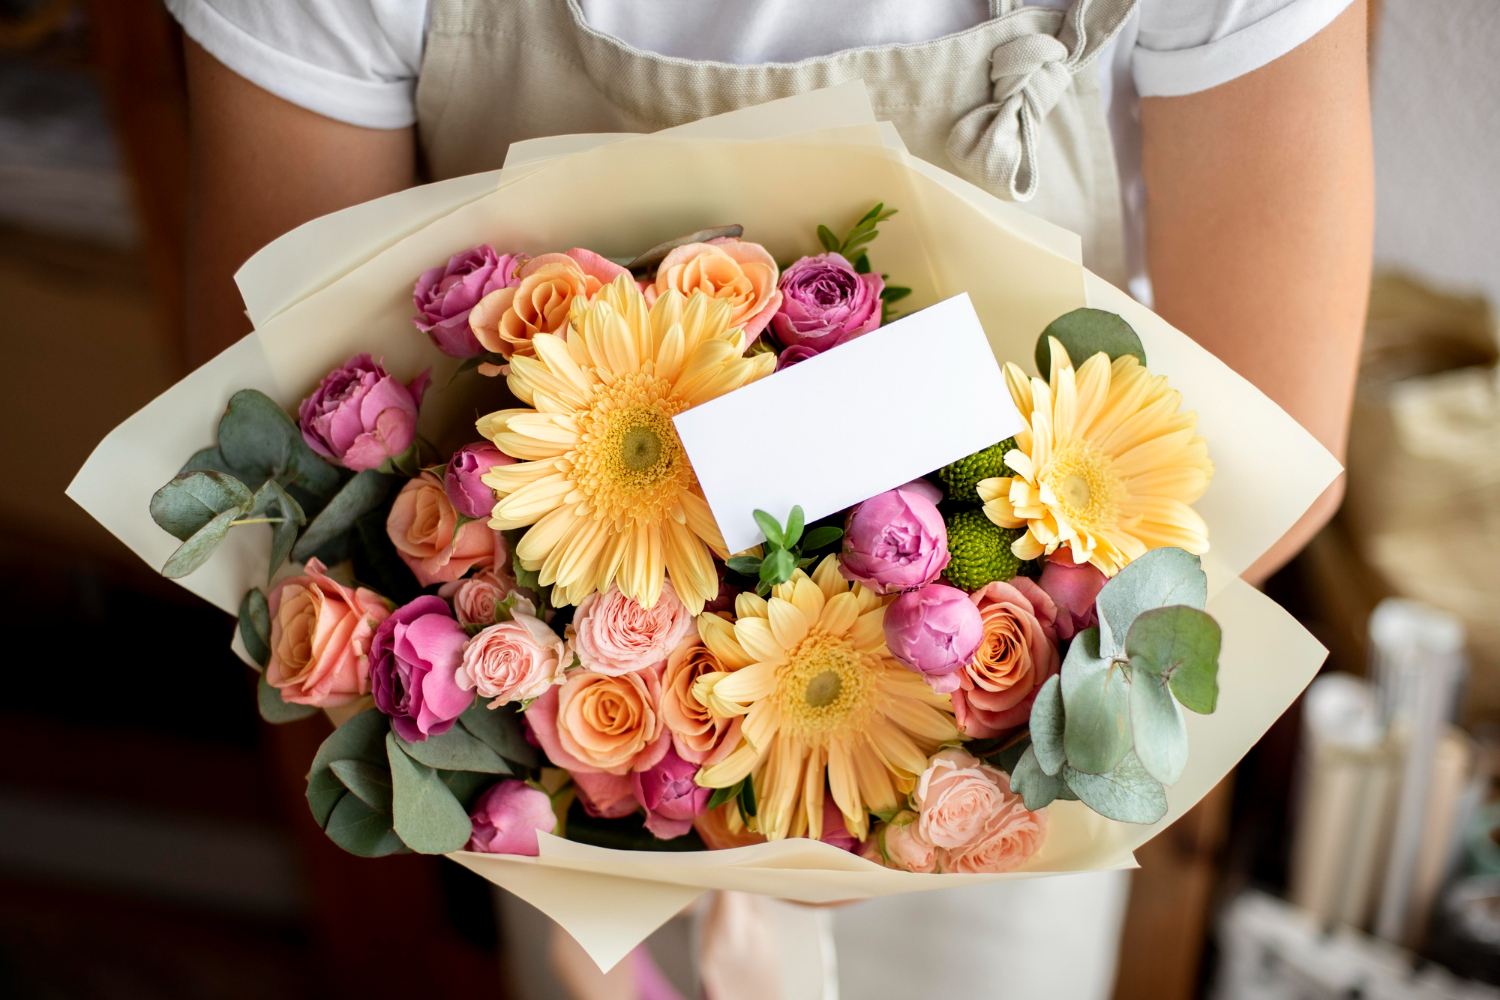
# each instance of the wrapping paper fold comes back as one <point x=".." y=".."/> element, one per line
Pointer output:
<point x="342" y="284"/>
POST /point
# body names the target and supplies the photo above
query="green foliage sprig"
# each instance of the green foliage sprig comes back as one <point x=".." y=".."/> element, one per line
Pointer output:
<point x="854" y="248"/>
<point x="786" y="550"/>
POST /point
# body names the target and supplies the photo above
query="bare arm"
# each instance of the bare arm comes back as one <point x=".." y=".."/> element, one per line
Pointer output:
<point x="1260" y="218"/>
<point x="262" y="166"/>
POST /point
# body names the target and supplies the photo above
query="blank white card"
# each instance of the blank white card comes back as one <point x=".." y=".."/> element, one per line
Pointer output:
<point x="863" y="418"/>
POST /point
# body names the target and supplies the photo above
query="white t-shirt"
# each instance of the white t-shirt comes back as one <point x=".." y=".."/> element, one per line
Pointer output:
<point x="357" y="60"/>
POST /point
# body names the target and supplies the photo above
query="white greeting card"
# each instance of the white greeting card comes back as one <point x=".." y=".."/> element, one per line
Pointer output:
<point x="838" y="428"/>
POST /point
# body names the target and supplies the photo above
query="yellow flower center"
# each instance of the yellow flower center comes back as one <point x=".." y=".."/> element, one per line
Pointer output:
<point x="629" y="462"/>
<point x="826" y="685"/>
<point x="1087" y="488"/>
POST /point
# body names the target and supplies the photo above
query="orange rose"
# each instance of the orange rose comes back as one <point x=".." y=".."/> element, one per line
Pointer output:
<point x="697" y="735"/>
<point x="505" y="320"/>
<point x="1014" y="659"/>
<point x="320" y="638"/>
<point x="421" y="526"/>
<point x="743" y="274"/>
<point x="595" y="722"/>
<point x="721" y="830"/>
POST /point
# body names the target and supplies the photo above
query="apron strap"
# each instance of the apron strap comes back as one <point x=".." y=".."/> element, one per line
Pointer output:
<point x="995" y="144"/>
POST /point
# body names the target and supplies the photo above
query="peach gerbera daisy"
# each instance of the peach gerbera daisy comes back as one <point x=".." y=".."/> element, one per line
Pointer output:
<point x="603" y="480"/>
<point x="819" y="692"/>
<point x="1106" y="467"/>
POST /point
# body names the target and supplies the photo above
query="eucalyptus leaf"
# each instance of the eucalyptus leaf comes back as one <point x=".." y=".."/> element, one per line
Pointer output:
<point x="428" y="817"/>
<point x="456" y="750"/>
<point x="793" y="527"/>
<point x="1047" y="726"/>
<point x="1036" y="787"/>
<point x="361" y="830"/>
<point x="358" y="497"/>
<point x="211" y="460"/>
<point x="195" y="551"/>
<point x="1181" y="645"/>
<point x="771" y="528"/>
<point x="501" y="730"/>
<point x="1096" y="702"/>
<point x="1127" y="794"/>
<point x="360" y="738"/>
<point x="370" y="782"/>
<point x="466" y="786"/>
<point x="1157" y="579"/>
<point x="658" y="253"/>
<point x="274" y="709"/>
<point x="271" y="500"/>
<point x="1007" y="758"/>
<point x="191" y="500"/>
<point x="1084" y="333"/>
<point x="1157" y="726"/>
<point x="255" y="434"/>
<point x="255" y="625"/>
<point x="821" y="537"/>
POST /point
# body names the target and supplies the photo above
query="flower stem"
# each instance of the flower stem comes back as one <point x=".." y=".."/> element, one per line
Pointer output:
<point x="257" y="520"/>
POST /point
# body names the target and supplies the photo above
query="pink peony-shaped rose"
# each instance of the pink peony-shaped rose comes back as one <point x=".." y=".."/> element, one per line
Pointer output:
<point x="1016" y="656"/>
<point x="669" y="795"/>
<point x="737" y="271"/>
<point x="966" y="810"/>
<point x="601" y="722"/>
<point x="507" y="817"/>
<point x="320" y="638"/>
<point x="461" y="480"/>
<point x="613" y="634"/>
<point x="824" y="303"/>
<point x="934" y="631"/>
<point x="444" y="295"/>
<point x="414" y="660"/>
<point x="513" y="661"/>
<point x="1073" y="589"/>
<point x="698" y="735"/>
<point x="477" y="598"/>
<point x="421" y="525"/>
<point x="894" y="542"/>
<point x="359" y="416"/>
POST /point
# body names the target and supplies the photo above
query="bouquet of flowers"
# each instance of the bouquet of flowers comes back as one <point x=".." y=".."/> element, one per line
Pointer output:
<point x="466" y="520"/>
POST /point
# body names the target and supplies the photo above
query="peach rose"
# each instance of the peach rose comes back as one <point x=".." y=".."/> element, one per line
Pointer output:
<point x="513" y="661"/>
<point x="1016" y="656"/>
<point x="597" y="722"/>
<point x="742" y="273"/>
<point x="320" y="638"/>
<point x="613" y="634"/>
<point x="697" y="735"/>
<point x="421" y="526"/>
<point x="505" y="320"/>
<point x="905" y="848"/>
<point x="1011" y="836"/>
<point x="476" y="597"/>
<point x="722" y="829"/>
<point x="967" y="812"/>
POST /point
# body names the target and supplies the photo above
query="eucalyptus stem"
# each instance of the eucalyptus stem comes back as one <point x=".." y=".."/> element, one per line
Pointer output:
<point x="257" y="520"/>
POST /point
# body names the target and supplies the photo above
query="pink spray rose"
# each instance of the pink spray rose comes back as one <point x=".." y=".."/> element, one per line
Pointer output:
<point x="1073" y="589"/>
<point x="934" y="631"/>
<point x="461" y="481"/>
<point x="507" y="817"/>
<point x="444" y="295"/>
<point x="515" y="660"/>
<point x="1016" y="656"/>
<point x="414" y="661"/>
<point x="477" y="598"/>
<point x="670" y="796"/>
<point x="320" y="638"/>
<point x="600" y="722"/>
<point x="894" y="542"/>
<point x="967" y="812"/>
<point x="359" y="416"/>
<point x="825" y="303"/>
<point x="905" y="847"/>
<point x="612" y="634"/>
<point x="421" y="525"/>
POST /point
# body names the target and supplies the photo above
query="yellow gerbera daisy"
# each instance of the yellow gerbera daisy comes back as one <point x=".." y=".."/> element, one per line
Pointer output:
<point x="1107" y="466"/>
<point x="810" y="672"/>
<point x="603" y="479"/>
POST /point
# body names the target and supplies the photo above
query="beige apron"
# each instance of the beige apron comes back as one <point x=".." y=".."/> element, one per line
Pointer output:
<point x="1012" y="104"/>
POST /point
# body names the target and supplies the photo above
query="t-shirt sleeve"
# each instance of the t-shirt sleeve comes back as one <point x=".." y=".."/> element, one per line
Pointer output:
<point x="1185" y="46"/>
<point x="352" y="60"/>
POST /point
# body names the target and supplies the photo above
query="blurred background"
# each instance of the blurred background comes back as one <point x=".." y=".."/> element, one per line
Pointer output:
<point x="152" y="846"/>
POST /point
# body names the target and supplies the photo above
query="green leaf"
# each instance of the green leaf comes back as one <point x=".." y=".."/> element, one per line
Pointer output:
<point x="370" y="782"/>
<point x="747" y="798"/>
<point x="794" y="527"/>
<point x="771" y="528"/>
<point x="502" y="731"/>
<point x="456" y="750"/>
<point x="1096" y="703"/>
<point x="821" y="537"/>
<point x="1180" y="645"/>
<point x="894" y="293"/>
<point x="830" y="242"/>
<point x="1157" y="729"/>
<point x="466" y="786"/>
<point x="1127" y="794"/>
<point x="1047" y="726"/>
<point x="428" y="818"/>
<point x="360" y="738"/>
<point x="189" y="502"/>
<point x="744" y="565"/>
<point x="255" y="625"/>
<point x="1036" y="787"/>
<point x="1007" y="758"/>
<point x="358" y="497"/>
<point x="658" y="253"/>
<point x="361" y="830"/>
<point x="210" y="460"/>
<point x="273" y="501"/>
<point x="275" y="710"/>
<point x="195" y="551"/>
<point x="1159" y="578"/>
<point x="255" y="434"/>
<point x="778" y="567"/>
<point x="723" y="795"/>
<point x="1084" y="333"/>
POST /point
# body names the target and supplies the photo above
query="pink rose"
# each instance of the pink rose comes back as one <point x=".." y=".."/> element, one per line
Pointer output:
<point x="359" y="415"/>
<point x="1073" y="589"/>
<point x="608" y="796"/>
<point x="905" y="848"/>
<point x="895" y="541"/>
<point x="1016" y="656"/>
<point x="507" y="817"/>
<point x="602" y="722"/>
<point x="934" y="631"/>
<point x="421" y="526"/>
<point x="476" y="598"/>
<point x="612" y="634"/>
<point x="741" y="273"/>
<point x="698" y="735"/>
<point x="513" y="661"/>
<point x="414" y="660"/>
<point x="835" y="831"/>
<point x="462" y="478"/>
<point x="320" y="638"/>
<point x="444" y="295"/>
<point x="670" y="796"/>
<point x="1012" y="835"/>
<point x="966" y="810"/>
<point x="825" y="303"/>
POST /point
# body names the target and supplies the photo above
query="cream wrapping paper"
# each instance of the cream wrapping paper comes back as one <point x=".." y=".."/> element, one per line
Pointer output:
<point x="342" y="285"/>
